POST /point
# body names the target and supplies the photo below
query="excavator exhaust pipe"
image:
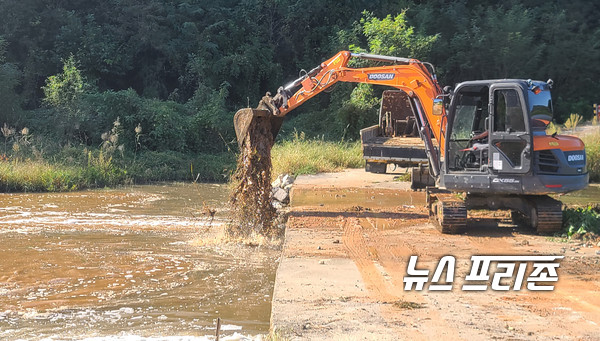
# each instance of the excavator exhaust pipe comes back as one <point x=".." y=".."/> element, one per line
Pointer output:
<point x="245" y="118"/>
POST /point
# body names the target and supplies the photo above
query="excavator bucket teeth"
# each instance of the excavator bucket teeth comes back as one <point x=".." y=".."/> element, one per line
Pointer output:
<point x="244" y="118"/>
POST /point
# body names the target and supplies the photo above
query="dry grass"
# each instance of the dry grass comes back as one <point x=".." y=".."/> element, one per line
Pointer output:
<point x="303" y="156"/>
<point x="592" y="149"/>
<point x="406" y="305"/>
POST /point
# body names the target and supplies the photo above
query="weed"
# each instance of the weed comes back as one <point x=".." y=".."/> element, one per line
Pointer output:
<point x="405" y="177"/>
<point x="7" y="132"/>
<point x="408" y="305"/>
<point x="573" y="121"/>
<point x="553" y="128"/>
<point x="581" y="220"/>
<point x="34" y="176"/>
<point x="303" y="156"/>
<point x="592" y="150"/>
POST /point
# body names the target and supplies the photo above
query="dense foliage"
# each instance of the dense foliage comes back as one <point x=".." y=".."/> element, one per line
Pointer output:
<point x="174" y="72"/>
<point x="581" y="220"/>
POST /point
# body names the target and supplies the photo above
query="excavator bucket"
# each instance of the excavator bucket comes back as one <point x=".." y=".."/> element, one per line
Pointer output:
<point x="244" y="118"/>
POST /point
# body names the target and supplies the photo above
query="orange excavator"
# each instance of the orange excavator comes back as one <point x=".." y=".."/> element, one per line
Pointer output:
<point x="484" y="142"/>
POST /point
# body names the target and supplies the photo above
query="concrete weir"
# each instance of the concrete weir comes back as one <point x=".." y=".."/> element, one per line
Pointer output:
<point x="319" y="291"/>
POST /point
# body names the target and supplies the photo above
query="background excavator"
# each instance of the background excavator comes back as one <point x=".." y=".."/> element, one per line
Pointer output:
<point x="483" y="143"/>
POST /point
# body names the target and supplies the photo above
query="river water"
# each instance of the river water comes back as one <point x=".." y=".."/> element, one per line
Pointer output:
<point x="127" y="264"/>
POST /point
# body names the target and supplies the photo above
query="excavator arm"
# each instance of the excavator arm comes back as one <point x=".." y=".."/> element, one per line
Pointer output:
<point x="409" y="75"/>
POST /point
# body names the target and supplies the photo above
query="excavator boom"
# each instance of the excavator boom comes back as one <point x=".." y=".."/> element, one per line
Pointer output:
<point x="406" y="74"/>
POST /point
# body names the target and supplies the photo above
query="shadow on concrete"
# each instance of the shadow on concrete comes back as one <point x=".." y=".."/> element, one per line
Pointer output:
<point x="358" y="214"/>
<point x="495" y="228"/>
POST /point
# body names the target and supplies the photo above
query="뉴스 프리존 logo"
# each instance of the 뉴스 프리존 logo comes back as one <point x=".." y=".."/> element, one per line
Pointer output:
<point x="507" y="274"/>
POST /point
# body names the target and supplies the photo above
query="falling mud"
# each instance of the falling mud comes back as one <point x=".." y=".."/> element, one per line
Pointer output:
<point x="252" y="211"/>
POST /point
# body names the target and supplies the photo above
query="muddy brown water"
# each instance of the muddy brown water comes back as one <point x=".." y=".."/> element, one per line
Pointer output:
<point x="111" y="264"/>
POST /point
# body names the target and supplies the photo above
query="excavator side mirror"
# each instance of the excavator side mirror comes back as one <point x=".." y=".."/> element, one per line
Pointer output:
<point x="438" y="106"/>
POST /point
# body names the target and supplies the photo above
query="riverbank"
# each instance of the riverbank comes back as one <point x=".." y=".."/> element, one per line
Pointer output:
<point x="346" y="252"/>
<point x="60" y="169"/>
<point x="78" y="168"/>
<point x="38" y="165"/>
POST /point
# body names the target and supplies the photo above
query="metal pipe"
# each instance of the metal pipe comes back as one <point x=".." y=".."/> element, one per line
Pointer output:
<point x="298" y="81"/>
<point x="380" y="58"/>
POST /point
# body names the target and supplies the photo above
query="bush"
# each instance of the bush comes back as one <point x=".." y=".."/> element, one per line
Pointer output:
<point x="165" y="125"/>
<point x="170" y="165"/>
<point x="581" y="220"/>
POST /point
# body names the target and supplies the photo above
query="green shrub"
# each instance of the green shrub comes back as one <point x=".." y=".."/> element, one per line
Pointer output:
<point x="581" y="220"/>
<point x="170" y="165"/>
<point x="165" y="125"/>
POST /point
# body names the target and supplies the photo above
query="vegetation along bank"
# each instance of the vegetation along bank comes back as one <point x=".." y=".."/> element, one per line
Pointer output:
<point x="96" y="94"/>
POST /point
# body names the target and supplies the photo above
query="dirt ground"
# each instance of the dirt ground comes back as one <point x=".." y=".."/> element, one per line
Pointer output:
<point x="348" y="241"/>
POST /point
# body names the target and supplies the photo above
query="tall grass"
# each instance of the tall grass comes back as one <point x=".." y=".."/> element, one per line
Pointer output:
<point x="42" y="176"/>
<point x="310" y="156"/>
<point x="37" y="176"/>
<point x="592" y="149"/>
<point x="573" y="121"/>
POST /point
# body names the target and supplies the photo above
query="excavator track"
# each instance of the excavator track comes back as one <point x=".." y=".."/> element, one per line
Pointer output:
<point x="449" y="215"/>
<point x="545" y="215"/>
<point x="548" y="217"/>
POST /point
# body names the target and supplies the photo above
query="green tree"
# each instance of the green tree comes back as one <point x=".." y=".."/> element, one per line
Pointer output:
<point x="392" y="36"/>
<point x="64" y="92"/>
<point x="10" y="78"/>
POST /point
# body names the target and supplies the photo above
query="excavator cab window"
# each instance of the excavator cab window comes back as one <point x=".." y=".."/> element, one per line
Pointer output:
<point x="508" y="111"/>
<point x="510" y="138"/>
<point x="468" y="140"/>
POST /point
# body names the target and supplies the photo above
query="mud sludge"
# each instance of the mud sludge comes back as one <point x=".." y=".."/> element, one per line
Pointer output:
<point x="250" y="200"/>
